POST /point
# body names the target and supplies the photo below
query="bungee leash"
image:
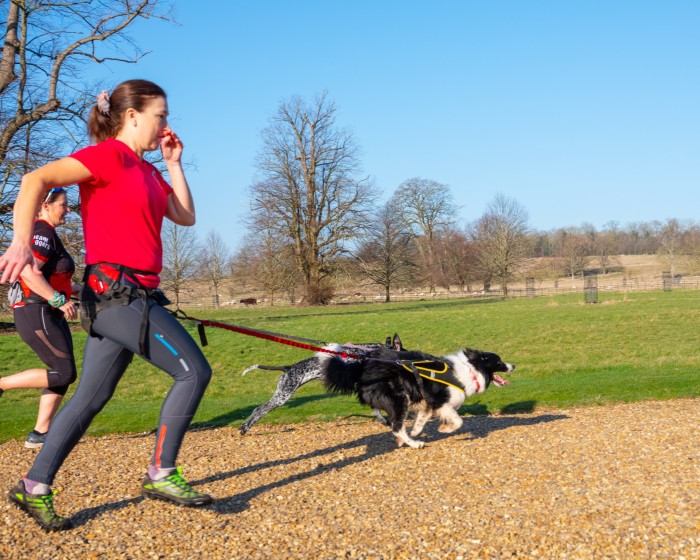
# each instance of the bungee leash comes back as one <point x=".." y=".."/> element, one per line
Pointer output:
<point x="289" y="340"/>
<point x="420" y="368"/>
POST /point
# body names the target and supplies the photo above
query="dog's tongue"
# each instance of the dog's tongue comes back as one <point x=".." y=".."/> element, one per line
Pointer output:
<point x="498" y="380"/>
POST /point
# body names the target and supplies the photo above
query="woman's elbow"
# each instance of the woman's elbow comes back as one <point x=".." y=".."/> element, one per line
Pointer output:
<point x="183" y="219"/>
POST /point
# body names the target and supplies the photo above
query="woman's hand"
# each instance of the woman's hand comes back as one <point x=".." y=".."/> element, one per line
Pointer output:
<point x="69" y="310"/>
<point x="14" y="260"/>
<point x="171" y="146"/>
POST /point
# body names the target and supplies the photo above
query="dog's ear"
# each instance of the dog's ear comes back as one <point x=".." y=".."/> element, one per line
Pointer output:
<point x="397" y="343"/>
<point x="387" y="343"/>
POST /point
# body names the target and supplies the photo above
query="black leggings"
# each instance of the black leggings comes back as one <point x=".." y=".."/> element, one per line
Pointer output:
<point x="106" y="359"/>
<point x="46" y="331"/>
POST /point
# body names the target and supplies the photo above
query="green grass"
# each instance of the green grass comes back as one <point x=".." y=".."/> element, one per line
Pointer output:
<point x="626" y="348"/>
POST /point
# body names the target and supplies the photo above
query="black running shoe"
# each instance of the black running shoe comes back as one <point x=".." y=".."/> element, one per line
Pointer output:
<point x="174" y="488"/>
<point x="40" y="507"/>
<point x="34" y="440"/>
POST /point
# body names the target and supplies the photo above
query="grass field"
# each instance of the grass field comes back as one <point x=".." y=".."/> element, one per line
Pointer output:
<point x="627" y="347"/>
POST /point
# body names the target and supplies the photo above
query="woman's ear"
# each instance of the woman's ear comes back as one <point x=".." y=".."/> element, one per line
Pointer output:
<point x="131" y="115"/>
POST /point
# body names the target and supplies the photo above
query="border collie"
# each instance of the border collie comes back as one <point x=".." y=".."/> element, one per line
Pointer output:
<point x="398" y="381"/>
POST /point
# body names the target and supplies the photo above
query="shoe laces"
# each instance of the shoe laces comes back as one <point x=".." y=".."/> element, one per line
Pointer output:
<point x="177" y="479"/>
<point x="47" y="501"/>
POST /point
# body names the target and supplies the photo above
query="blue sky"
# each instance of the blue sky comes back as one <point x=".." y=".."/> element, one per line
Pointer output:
<point x="581" y="110"/>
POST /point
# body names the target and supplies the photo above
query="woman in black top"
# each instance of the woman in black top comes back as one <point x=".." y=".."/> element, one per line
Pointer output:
<point x="41" y="316"/>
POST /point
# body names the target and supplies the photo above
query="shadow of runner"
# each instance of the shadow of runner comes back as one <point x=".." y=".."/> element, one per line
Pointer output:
<point x="88" y="514"/>
<point x="375" y="445"/>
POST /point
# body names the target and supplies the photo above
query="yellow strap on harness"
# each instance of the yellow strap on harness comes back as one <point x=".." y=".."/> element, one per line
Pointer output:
<point x="432" y="366"/>
<point x="432" y="369"/>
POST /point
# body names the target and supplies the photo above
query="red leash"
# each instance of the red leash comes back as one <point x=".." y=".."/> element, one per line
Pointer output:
<point x="297" y="342"/>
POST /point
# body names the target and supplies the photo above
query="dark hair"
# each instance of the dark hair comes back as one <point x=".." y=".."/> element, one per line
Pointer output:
<point x="132" y="94"/>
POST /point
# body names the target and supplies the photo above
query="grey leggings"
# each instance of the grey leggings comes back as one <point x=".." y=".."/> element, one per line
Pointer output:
<point x="105" y="361"/>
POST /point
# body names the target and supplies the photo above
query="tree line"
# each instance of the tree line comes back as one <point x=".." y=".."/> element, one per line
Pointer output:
<point x="414" y="241"/>
<point x="314" y="216"/>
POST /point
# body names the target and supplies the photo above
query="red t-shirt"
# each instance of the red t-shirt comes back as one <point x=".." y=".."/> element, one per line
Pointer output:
<point x="122" y="207"/>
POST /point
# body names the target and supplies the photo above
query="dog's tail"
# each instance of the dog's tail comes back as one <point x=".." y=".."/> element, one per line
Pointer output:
<point x="270" y="368"/>
<point x="339" y="376"/>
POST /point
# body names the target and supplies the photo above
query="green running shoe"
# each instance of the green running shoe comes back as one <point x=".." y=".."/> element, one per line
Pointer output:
<point x="40" y="507"/>
<point x="174" y="488"/>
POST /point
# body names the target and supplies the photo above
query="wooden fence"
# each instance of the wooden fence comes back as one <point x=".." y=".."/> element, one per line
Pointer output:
<point x="529" y="289"/>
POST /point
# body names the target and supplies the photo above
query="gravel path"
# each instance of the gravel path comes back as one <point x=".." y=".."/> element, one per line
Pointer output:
<point x="618" y="481"/>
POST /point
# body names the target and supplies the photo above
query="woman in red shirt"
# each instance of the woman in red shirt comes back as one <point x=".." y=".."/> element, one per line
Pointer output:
<point x="123" y="202"/>
<point x="40" y="316"/>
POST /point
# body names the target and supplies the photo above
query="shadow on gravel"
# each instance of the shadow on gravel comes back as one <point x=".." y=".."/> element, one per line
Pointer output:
<point x="375" y="445"/>
<point x="243" y="413"/>
<point x="89" y="514"/>
<point x="481" y="426"/>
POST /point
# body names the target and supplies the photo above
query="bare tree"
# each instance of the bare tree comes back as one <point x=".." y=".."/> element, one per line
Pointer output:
<point x="574" y="253"/>
<point x="311" y="185"/>
<point x="670" y="241"/>
<point x="458" y="258"/>
<point x="427" y="208"/>
<point x="386" y="256"/>
<point x="47" y="49"/>
<point x="272" y="267"/>
<point x="605" y="251"/>
<point x="501" y="238"/>
<point x="241" y="266"/>
<point x="215" y="262"/>
<point x="181" y="254"/>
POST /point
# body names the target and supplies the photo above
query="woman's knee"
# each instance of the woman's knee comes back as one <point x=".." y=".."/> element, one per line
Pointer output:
<point x="205" y="373"/>
<point x="201" y="372"/>
<point x="61" y="377"/>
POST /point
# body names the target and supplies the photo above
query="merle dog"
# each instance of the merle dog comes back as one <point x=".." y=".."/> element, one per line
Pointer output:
<point x="302" y="372"/>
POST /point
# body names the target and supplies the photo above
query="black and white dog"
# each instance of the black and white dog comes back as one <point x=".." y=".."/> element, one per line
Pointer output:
<point x="302" y="372"/>
<point x="395" y="382"/>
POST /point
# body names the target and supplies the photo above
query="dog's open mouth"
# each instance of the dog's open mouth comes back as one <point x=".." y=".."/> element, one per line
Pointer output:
<point x="499" y="381"/>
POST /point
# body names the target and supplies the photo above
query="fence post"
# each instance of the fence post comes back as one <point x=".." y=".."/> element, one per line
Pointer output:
<point x="590" y="288"/>
<point x="667" y="281"/>
<point x="530" y="286"/>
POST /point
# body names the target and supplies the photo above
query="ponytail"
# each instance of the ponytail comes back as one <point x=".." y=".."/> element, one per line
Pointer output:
<point x="100" y="125"/>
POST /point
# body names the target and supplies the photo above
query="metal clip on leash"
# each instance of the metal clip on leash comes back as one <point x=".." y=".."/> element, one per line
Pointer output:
<point x="180" y="314"/>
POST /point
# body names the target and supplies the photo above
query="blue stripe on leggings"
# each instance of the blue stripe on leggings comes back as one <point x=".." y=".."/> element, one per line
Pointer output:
<point x="160" y="338"/>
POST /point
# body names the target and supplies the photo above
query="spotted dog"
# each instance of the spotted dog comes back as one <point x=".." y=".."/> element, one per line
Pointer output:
<point x="300" y="373"/>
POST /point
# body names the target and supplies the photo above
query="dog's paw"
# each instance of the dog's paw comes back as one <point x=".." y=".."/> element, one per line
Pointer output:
<point x="413" y="443"/>
<point x="448" y="428"/>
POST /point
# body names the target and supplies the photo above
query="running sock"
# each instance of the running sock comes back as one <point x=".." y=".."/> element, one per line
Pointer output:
<point x="154" y="473"/>
<point x="33" y="487"/>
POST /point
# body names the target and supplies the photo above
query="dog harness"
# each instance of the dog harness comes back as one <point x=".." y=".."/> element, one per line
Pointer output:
<point x="438" y="371"/>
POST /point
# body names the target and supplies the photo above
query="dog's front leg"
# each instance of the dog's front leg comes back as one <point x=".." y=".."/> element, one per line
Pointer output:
<point x="422" y="416"/>
<point x="398" y="425"/>
<point x="451" y="421"/>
